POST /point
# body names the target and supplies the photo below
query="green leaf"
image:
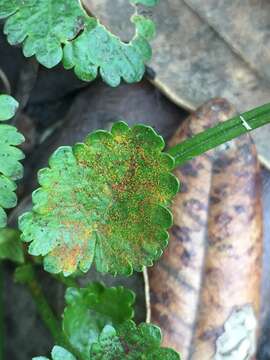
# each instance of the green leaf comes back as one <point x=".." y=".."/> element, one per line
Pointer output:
<point x="10" y="167"/>
<point x="90" y="309"/>
<point x="8" y="107"/>
<point x="105" y="201"/>
<point x="44" y="27"/>
<point x="58" y="353"/>
<point x="96" y="48"/>
<point x="10" y="245"/>
<point x="127" y="341"/>
<point x="144" y="2"/>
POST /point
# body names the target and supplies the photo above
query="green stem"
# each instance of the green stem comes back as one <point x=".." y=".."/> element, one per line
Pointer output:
<point x="2" y="329"/>
<point x="220" y="134"/>
<point x="67" y="281"/>
<point x="46" y="313"/>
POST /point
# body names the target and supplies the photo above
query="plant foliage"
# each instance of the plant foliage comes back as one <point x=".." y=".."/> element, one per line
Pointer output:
<point x="11" y="246"/>
<point x="127" y="341"/>
<point x="97" y="323"/>
<point x="61" y="30"/>
<point x="10" y="167"/>
<point x="105" y="201"/>
<point x="58" y="353"/>
<point x="90" y="309"/>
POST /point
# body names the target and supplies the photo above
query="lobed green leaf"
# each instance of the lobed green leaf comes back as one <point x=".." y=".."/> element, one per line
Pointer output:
<point x="127" y="341"/>
<point x="103" y="201"/>
<point x="97" y="322"/>
<point x="89" y="309"/>
<point x="10" y="167"/>
<point x="61" y="30"/>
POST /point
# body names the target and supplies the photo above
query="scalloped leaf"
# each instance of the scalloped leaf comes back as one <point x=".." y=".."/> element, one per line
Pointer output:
<point x="10" y="167"/>
<point x="44" y="27"/>
<point x="58" y="353"/>
<point x="127" y="341"/>
<point x="11" y="246"/>
<point x="96" y="48"/>
<point x="89" y="309"/>
<point x="104" y="201"/>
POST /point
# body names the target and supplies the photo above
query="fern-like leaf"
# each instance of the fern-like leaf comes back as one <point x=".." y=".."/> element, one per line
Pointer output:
<point x="104" y="201"/>
<point x="44" y="27"/>
<point x="10" y="167"/>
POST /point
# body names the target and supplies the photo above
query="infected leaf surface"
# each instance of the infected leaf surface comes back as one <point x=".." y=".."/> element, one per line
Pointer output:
<point x="10" y="245"/>
<point x="104" y="201"/>
<point x="89" y="309"/>
<point x="61" y="30"/>
<point x="130" y="342"/>
<point x="10" y="167"/>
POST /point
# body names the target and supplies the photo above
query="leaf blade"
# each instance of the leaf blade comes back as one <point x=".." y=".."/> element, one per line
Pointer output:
<point x="91" y="199"/>
<point x="130" y="342"/>
<point x="89" y="309"/>
<point x="56" y="31"/>
<point x="10" y="167"/>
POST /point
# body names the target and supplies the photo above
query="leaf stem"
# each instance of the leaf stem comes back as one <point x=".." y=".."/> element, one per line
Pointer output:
<point x="47" y="315"/>
<point x="67" y="281"/>
<point x="220" y="134"/>
<point x="46" y="312"/>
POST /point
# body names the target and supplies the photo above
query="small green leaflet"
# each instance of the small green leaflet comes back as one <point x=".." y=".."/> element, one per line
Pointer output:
<point x="11" y="246"/>
<point x="89" y="309"/>
<point x="10" y="167"/>
<point x="58" y="353"/>
<point x="103" y="201"/>
<point x="127" y="341"/>
<point x="8" y="107"/>
<point x="61" y="30"/>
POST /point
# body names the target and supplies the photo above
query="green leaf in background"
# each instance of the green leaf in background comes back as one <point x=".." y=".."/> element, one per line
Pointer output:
<point x="24" y="274"/>
<point x="42" y="26"/>
<point x="45" y="26"/>
<point x="10" y="167"/>
<point x="145" y="2"/>
<point x="127" y="341"/>
<point x="8" y="107"/>
<point x="89" y="309"/>
<point x="96" y="48"/>
<point x="58" y="353"/>
<point x="105" y="201"/>
<point x="11" y="246"/>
